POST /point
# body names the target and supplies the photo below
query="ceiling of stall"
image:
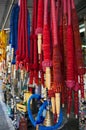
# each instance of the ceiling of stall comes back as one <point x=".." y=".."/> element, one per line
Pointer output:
<point x="5" y="9"/>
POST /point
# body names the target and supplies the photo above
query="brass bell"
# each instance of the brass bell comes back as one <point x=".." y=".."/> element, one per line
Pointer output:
<point x="49" y="121"/>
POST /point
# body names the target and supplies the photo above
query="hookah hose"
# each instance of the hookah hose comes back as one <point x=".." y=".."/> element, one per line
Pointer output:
<point x="70" y="60"/>
<point x="40" y="26"/>
<point x="14" y="31"/>
<point x="56" y="59"/>
<point x="32" y="46"/>
<point x="46" y="47"/>
<point x="64" y="47"/>
<point x="75" y="29"/>
<point x="39" y="118"/>
<point x="27" y="66"/>
<point x="26" y="33"/>
<point x="61" y="50"/>
<point x="35" y="44"/>
<point x="78" y="50"/>
<point x="22" y="52"/>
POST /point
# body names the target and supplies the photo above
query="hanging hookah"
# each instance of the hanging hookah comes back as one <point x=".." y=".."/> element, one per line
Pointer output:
<point x="14" y="37"/>
<point x="57" y="84"/>
<point x="22" y="53"/>
<point x="61" y="50"/>
<point x="80" y="71"/>
<point x="39" y="33"/>
<point x="34" y="56"/>
<point x="78" y="50"/>
<point x="70" y="60"/>
<point x="47" y="125"/>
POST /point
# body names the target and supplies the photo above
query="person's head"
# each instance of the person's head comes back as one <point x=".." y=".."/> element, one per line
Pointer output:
<point x="72" y="124"/>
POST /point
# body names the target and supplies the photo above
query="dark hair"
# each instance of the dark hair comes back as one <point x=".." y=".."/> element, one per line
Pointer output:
<point x="72" y="124"/>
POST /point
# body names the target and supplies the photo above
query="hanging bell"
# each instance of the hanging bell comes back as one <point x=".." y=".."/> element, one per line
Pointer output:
<point x="49" y="119"/>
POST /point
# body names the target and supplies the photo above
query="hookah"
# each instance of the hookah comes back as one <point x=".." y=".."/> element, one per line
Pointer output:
<point x="48" y="96"/>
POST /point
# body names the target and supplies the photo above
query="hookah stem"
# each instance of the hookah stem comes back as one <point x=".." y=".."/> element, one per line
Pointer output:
<point x="46" y="46"/>
<point x="78" y="50"/>
<point x="39" y="34"/>
<point x="70" y="60"/>
<point x="40" y="26"/>
<point x="56" y="59"/>
<point x="65" y="44"/>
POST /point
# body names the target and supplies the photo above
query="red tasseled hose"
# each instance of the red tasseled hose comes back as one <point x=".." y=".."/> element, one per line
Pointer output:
<point x="56" y="51"/>
<point x="65" y="44"/>
<point x="46" y="35"/>
<point x="22" y="53"/>
<point x="39" y="30"/>
<point x="62" y="50"/>
<point x="35" y="43"/>
<point x="46" y="38"/>
<point x="32" y="44"/>
<point x="26" y="60"/>
<point x="70" y="59"/>
<point x="78" y="50"/>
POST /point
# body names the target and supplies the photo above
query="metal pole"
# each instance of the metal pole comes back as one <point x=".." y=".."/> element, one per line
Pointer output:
<point x="7" y="14"/>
